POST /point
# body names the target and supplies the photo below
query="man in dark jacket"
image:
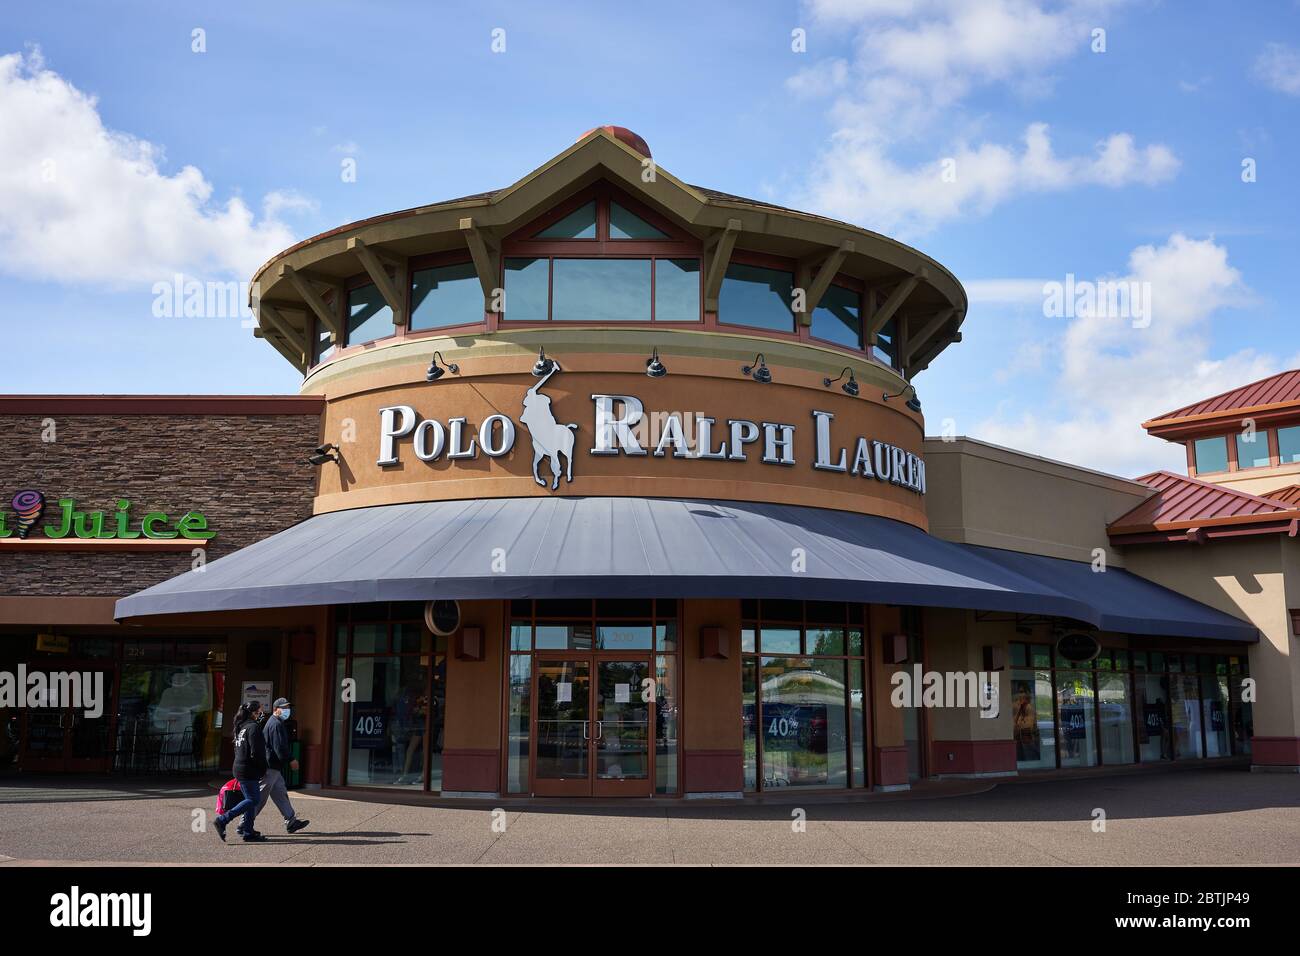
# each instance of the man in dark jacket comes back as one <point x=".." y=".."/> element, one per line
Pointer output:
<point x="250" y="765"/>
<point x="279" y="758"/>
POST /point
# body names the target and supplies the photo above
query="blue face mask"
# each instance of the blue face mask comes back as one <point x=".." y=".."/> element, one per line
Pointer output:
<point x="285" y="712"/>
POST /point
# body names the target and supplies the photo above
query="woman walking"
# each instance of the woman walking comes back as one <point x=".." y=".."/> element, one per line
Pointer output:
<point x="250" y="767"/>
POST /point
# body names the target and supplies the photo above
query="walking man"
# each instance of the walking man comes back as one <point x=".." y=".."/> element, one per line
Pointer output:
<point x="278" y="760"/>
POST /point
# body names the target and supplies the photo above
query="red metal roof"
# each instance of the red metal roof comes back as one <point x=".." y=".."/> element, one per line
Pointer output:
<point x="1290" y="495"/>
<point x="1180" y="500"/>
<point x="1279" y="388"/>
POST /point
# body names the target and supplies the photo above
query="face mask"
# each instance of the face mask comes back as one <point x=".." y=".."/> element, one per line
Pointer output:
<point x="285" y="712"/>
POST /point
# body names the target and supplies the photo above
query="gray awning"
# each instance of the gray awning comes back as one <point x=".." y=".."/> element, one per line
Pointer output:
<point x="658" y="547"/>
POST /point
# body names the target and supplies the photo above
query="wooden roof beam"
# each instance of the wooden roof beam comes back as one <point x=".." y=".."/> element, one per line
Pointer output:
<point x="486" y="253"/>
<point x="827" y="266"/>
<point x="376" y="268"/>
<point x="302" y="283"/>
<point x="723" y="242"/>
<point x="270" y="317"/>
<point x="891" y="305"/>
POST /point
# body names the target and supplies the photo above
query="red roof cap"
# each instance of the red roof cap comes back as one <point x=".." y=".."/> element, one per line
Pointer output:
<point x="1179" y="498"/>
<point x="623" y="135"/>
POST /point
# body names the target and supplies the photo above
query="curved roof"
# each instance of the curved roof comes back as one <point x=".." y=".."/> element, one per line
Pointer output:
<point x="931" y="303"/>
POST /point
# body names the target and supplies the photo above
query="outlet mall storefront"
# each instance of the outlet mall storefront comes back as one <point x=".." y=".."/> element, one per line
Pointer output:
<point x="619" y="488"/>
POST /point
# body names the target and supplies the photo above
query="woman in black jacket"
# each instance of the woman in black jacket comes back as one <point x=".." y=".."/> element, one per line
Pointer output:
<point x="250" y="767"/>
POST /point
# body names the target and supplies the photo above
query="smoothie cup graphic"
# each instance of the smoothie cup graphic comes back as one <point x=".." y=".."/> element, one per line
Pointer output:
<point x="28" y="506"/>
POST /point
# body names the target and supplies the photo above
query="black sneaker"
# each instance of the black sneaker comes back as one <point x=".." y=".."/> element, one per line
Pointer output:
<point x="220" y="828"/>
<point x="294" y="825"/>
<point x="254" y="837"/>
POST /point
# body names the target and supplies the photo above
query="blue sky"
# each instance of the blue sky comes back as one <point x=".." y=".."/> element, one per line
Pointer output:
<point x="129" y="157"/>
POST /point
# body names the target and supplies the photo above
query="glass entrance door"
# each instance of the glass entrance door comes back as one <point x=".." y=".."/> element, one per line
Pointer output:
<point x="63" y="738"/>
<point x="562" y="743"/>
<point x="622" y="737"/>
<point x="593" y="722"/>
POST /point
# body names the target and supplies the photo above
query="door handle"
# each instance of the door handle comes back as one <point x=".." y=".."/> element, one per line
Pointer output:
<point x="600" y="730"/>
<point x="586" y="728"/>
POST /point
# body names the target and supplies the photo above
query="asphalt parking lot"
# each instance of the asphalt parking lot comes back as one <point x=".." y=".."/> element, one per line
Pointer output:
<point x="1203" y="816"/>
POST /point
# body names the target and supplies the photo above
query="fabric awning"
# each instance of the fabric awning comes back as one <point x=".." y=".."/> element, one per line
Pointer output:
<point x="658" y="547"/>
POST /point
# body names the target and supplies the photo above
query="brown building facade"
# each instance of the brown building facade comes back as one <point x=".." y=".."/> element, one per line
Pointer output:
<point x="619" y="487"/>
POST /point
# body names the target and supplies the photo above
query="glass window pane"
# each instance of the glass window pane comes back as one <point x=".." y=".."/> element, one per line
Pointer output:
<point x="369" y="316"/>
<point x="666" y="636"/>
<point x="1040" y="655"/>
<point x="1211" y="455"/>
<point x="579" y="224"/>
<point x="521" y="636"/>
<point x="804" y="723"/>
<point x="828" y="640"/>
<point x="747" y="642"/>
<point x="855" y="642"/>
<point x="388" y="722"/>
<point x="412" y="639"/>
<point x="1252" y="450"/>
<point x="779" y="640"/>
<point x="1214" y="714"/>
<point x="1185" y="705"/>
<point x="1116" y="719"/>
<point x="627" y="225"/>
<point x="1288" y="444"/>
<point x="858" y="724"/>
<point x="749" y="721"/>
<point x="527" y="294"/>
<point x="1075" y="703"/>
<point x="782" y="611"/>
<point x="677" y="290"/>
<point x="886" y="347"/>
<point x="1155" y="740"/>
<point x="837" y="317"/>
<point x="1019" y="655"/>
<point x="445" y="296"/>
<point x="370" y="639"/>
<point x="601" y="290"/>
<point x="517" y="724"/>
<point x="625" y="637"/>
<point x="341" y="639"/>
<point x="757" y="297"/>
<point x="340" y="726"/>
<point x="564" y="637"/>
<point x="666" y="724"/>
<point x="1032" y="721"/>
<point x="324" y="346"/>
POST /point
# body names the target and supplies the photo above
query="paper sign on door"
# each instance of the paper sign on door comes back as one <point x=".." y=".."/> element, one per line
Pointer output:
<point x="622" y="693"/>
<point x="564" y="692"/>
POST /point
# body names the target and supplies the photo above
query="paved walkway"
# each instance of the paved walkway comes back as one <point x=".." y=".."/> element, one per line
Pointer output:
<point x="1180" y="817"/>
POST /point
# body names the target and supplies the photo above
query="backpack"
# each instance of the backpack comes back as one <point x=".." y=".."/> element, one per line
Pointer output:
<point x="229" y="795"/>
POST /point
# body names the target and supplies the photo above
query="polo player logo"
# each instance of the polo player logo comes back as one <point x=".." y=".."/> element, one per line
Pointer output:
<point x="551" y="439"/>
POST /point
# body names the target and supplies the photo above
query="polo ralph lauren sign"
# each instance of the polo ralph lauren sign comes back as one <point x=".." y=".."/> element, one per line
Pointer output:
<point x="621" y="426"/>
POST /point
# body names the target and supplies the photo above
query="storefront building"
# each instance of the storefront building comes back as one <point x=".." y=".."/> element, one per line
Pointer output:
<point x="619" y="488"/>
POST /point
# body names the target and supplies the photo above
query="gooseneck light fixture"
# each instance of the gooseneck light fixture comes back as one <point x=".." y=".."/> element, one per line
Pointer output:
<point x="655" y="368"/>
<point x="758" y="371"/>
<point x="849" y="388"/>
<point x="543" y="365"/>
<point x="913" y="403"/>
<point x="436" y="371"/>
<point x="323" y="454"/>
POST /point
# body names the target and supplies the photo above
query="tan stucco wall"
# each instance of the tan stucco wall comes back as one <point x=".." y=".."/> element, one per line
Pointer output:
<point x="1247" y="578"/>
<point x="983" y="494"/>
<point x="1257" y="481"/>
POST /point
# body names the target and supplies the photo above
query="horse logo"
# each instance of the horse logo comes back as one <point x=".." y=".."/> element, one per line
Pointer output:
<point x="551" y="439"/>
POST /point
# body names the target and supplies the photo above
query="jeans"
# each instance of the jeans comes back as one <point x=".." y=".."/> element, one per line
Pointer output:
<point x="273" y="788"/>
<point x="247" y="806"/>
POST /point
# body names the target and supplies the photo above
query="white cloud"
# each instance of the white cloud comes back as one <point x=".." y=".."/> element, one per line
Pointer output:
<point x="1108" y="376"/>
<point x="80" y="202"/>
<point x="1278" y="67"/>
<point x="914" y="63"/>
<point x="856" y="180"/>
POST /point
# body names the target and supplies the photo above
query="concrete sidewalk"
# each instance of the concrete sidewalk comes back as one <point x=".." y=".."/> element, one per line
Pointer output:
<point x="1217" y="816"/>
